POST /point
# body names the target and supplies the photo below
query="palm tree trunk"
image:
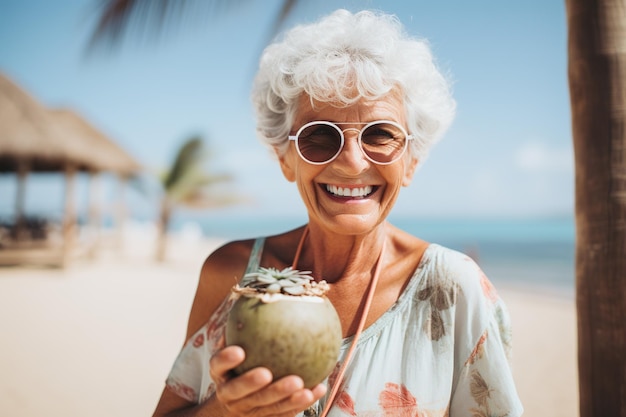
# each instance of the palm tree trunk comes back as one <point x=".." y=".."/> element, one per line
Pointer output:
<point x="94" y="213"/>
<point x="69" y="216"/>
<point x="164" y="220"/>
<point x="20" y="218"/>
<point x="120" y="212"/>
<point x="597" y="77"/>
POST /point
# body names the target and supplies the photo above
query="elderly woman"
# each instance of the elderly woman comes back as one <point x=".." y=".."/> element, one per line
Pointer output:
<point x="351" y="106"/>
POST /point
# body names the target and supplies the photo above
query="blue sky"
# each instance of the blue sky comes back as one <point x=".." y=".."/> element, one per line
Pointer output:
<point x="508" y="153"/>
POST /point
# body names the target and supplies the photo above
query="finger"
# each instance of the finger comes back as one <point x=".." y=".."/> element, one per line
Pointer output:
<point x="253" y="392"/>
<point x="319" y="391"/>
<point x="298" y="402"/>
<point x="224" y="361"/>
<point x="303" y="399"/>
<point x="244" y="387"/>
<point x="286" y="396"/>
<point x="278" y="391"/>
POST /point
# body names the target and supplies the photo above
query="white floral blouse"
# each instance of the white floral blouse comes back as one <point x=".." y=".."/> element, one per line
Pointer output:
<point x="441" y="350"/>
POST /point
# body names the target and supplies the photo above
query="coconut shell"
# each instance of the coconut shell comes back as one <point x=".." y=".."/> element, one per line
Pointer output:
<point x="291" y="335"/>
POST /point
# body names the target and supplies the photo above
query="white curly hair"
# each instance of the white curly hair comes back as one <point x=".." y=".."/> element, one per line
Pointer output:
<point x="345" y="57"/>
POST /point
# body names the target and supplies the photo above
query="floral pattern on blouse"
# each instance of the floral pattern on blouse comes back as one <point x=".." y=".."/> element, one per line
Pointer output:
<point x="440" y="351"/>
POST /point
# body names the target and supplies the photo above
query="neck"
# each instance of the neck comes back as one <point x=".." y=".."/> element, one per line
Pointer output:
<point x="334" y="257"/>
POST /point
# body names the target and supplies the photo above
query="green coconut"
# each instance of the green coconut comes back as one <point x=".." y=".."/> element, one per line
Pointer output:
<point x="285" y="323"/>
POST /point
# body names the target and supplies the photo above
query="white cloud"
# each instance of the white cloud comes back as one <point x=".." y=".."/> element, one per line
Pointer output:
<point x="537" y="157"/>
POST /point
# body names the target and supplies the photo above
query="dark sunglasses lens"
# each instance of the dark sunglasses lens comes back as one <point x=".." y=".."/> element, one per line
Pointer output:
<point x="319" y="142"/>
<point x="383" y="142"/>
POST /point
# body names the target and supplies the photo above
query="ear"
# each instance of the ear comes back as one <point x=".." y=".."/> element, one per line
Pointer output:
<point x="409" y="171"/>
<point x="287" y="165"/>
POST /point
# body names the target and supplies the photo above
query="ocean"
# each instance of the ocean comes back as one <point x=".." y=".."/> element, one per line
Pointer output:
<point x="531" y="253"/>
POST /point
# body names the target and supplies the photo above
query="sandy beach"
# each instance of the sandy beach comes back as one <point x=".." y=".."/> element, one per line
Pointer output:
<point x="98" y="338"/>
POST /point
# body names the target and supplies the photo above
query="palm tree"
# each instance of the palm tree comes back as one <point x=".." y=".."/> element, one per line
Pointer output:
<point x="597" y="78"/>
<point x="187" y="183"/>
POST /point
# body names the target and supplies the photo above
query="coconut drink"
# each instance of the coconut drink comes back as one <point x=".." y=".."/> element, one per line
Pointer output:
<point x="284" y="322"/>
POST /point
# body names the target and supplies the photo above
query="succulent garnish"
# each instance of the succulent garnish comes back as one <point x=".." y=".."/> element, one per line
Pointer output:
<point x="288" y="281"/>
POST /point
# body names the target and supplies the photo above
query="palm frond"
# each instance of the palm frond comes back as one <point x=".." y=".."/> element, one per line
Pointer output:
<point x="192" y="185"/>
<point x="212" y="201"/>
<point x="187" y="159"/>
<point x="189" y="174"/>
<point x="285" y="11"/>
<point x="148" y="17"/>
<point x="142" y="184"/>
<point x="214" y="179"/>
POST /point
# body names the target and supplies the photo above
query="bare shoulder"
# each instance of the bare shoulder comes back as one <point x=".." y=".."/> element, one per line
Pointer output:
<point x="407" y="245"/>
<point x="220" y="271"/>
<point x="405" y="255"/>
<point x="226" y="265"/>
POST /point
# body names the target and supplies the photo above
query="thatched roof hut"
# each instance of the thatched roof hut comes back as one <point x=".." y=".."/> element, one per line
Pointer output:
<point x="101" y="153"/>
<point x="29" y="135"/>
<point x="36" y="139"/>
<point x="52" y="140"/>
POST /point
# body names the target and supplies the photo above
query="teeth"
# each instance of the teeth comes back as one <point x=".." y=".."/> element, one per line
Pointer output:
<point x="349" y="192"/>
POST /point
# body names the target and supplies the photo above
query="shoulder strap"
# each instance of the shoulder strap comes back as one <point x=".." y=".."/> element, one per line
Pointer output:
<point x="255" y="255"/>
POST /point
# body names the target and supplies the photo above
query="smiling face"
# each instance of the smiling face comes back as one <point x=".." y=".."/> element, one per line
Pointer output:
<point x="351" y="194"/>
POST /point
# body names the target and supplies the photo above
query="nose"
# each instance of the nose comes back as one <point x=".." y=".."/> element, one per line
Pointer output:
<point x="351" y="159"/>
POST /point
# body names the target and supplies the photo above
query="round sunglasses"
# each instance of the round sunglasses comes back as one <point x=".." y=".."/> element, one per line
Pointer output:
<point x="382" y="142"/>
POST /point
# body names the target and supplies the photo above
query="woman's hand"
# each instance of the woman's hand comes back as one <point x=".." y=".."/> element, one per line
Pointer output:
<point x="253" y="393"/>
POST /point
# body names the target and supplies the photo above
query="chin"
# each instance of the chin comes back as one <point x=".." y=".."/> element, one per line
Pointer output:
<point x="352" y="224"/>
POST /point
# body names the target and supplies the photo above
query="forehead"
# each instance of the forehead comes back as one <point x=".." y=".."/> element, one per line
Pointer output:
<point x="388" y="107"/>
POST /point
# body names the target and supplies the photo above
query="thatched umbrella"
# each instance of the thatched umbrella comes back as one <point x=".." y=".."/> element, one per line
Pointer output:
<point x="35" y="139"/>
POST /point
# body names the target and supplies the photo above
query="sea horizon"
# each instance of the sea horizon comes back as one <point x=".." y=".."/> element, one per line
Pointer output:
<point x="532" y="252"/>
<point x="519" y="252"/>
